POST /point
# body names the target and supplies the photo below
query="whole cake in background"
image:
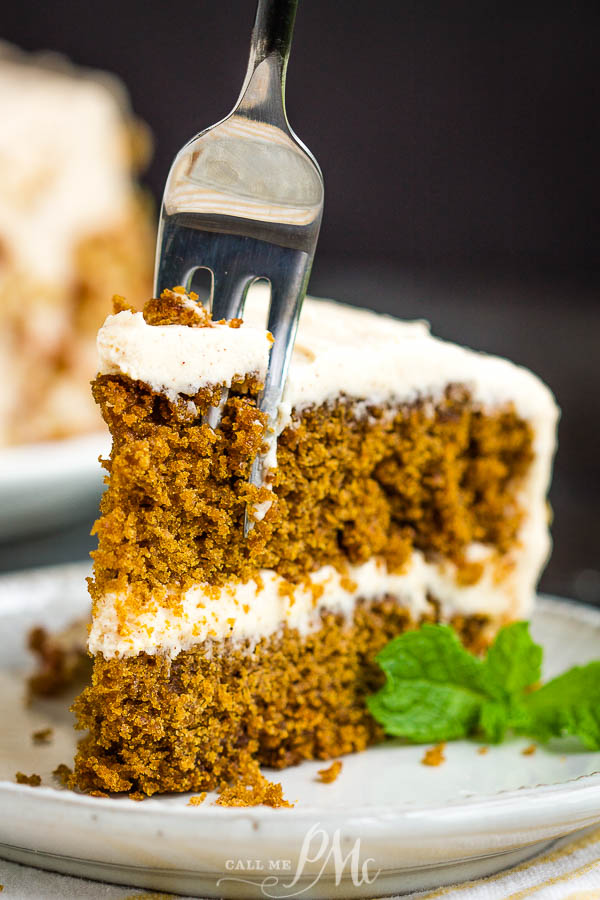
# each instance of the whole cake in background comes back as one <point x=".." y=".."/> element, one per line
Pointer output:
<point x="74" y="227"/>
<point x="409" y="486"/>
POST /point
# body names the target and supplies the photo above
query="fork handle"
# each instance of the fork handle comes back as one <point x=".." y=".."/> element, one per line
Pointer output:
<point x="273" y="29"/>
<point x="271" y="40"/>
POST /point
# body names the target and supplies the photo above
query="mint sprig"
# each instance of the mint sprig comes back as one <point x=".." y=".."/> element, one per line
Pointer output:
<point x="436" y="690"/>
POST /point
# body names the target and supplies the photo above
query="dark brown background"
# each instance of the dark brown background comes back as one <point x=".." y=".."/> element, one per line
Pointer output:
<point x="460" y="148"/>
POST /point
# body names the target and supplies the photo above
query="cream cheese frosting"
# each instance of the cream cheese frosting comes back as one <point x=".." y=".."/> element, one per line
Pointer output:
<point x="339" y="349"/>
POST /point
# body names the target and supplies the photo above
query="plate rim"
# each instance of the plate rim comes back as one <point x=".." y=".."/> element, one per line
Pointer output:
<point x="77" y="453"/>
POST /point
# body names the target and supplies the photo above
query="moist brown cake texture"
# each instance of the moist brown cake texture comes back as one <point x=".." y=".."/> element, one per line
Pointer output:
<point x="197" y="722"/>
<point x="348" y="485"/>
<point x="253" y="789"/>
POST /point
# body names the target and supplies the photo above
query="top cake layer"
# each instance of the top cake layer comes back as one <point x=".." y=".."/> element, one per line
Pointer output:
<point x="339" y="350"/>
<point x="407" y="467"/>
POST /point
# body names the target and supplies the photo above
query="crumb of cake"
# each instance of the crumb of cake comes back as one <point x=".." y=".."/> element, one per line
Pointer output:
<point x="43" y="736"/>
<point x="120" y="304"/>
<point x="435" y="755"/>
<point x="328" y="775"/>
<point x="483" y="750"/>
<point x="198" y="799"/>
<point x="63" y="773"/>
<point x="62" y="659"/>
<point x="253" y="790"/>
<point x="138" y="796"/>
<point x="98" y="794"/>
<point x="33" y="780"/>
<point x="175" y="308"/>
<point x="529" y="751"/>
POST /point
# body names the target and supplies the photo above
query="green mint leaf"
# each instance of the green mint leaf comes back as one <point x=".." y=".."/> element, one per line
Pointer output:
<point x="425" y="712"/>
<point x="434" y="689"/>
<point x="437" y="691"/>
<point x="567" y="705"/>
<point x="432" y="653"/>
<point x="494" y="719"/>
<point x="513" y="662"/>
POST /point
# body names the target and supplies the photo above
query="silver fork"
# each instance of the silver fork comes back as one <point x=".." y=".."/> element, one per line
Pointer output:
<point x="244" y="199"/>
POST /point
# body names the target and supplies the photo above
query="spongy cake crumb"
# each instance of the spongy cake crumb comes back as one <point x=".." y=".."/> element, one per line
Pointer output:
<point x="32" y="780"/>
<point x="434" y="756"/>
<point x="327" y="776"/>
<point x="253" y="790"/>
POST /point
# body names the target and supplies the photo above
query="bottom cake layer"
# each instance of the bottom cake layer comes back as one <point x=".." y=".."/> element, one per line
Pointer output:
<point x="206" y="717"/>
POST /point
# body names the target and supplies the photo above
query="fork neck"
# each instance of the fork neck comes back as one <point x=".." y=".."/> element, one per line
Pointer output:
<point x="263" y="91"/>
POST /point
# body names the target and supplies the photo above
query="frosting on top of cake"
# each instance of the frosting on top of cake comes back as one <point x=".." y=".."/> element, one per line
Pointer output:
<point x="339" y="350"/>
<point x="65" y="170"/>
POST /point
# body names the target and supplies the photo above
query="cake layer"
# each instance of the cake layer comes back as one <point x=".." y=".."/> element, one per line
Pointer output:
<point x="245" y="613"/>
<point x="199" y="721"/>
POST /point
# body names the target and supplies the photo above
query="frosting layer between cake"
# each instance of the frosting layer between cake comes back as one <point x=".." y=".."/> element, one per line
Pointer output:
<point x="262" y="606"/>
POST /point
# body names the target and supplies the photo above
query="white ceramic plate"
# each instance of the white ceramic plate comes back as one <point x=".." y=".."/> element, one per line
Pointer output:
<point x="49" y="484"/>
<point x="387" y="817"/>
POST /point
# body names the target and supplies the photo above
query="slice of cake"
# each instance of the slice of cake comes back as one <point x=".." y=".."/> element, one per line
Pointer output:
<point x="73" y="228"/>
<point x="409" y="486"/>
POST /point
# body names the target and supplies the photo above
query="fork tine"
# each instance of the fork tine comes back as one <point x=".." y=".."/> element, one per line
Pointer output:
<point x="229" y="296"/>
<point x="287" y="295"/>
<point x="227" y="302"/>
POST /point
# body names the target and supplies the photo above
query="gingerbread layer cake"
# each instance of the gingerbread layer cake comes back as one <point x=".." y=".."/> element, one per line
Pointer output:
<point x="74" y="227"/>
<point x="409" y="485"/>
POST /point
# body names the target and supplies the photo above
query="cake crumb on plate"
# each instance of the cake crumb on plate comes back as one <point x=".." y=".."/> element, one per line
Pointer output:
<point x="327" y="776"/>
<point x="43" y="736"/>
<point x="434" y="756"/>
<point x="253" y="790"/>
<point x="63" y="772"/>
<point x="33" y="780"/>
